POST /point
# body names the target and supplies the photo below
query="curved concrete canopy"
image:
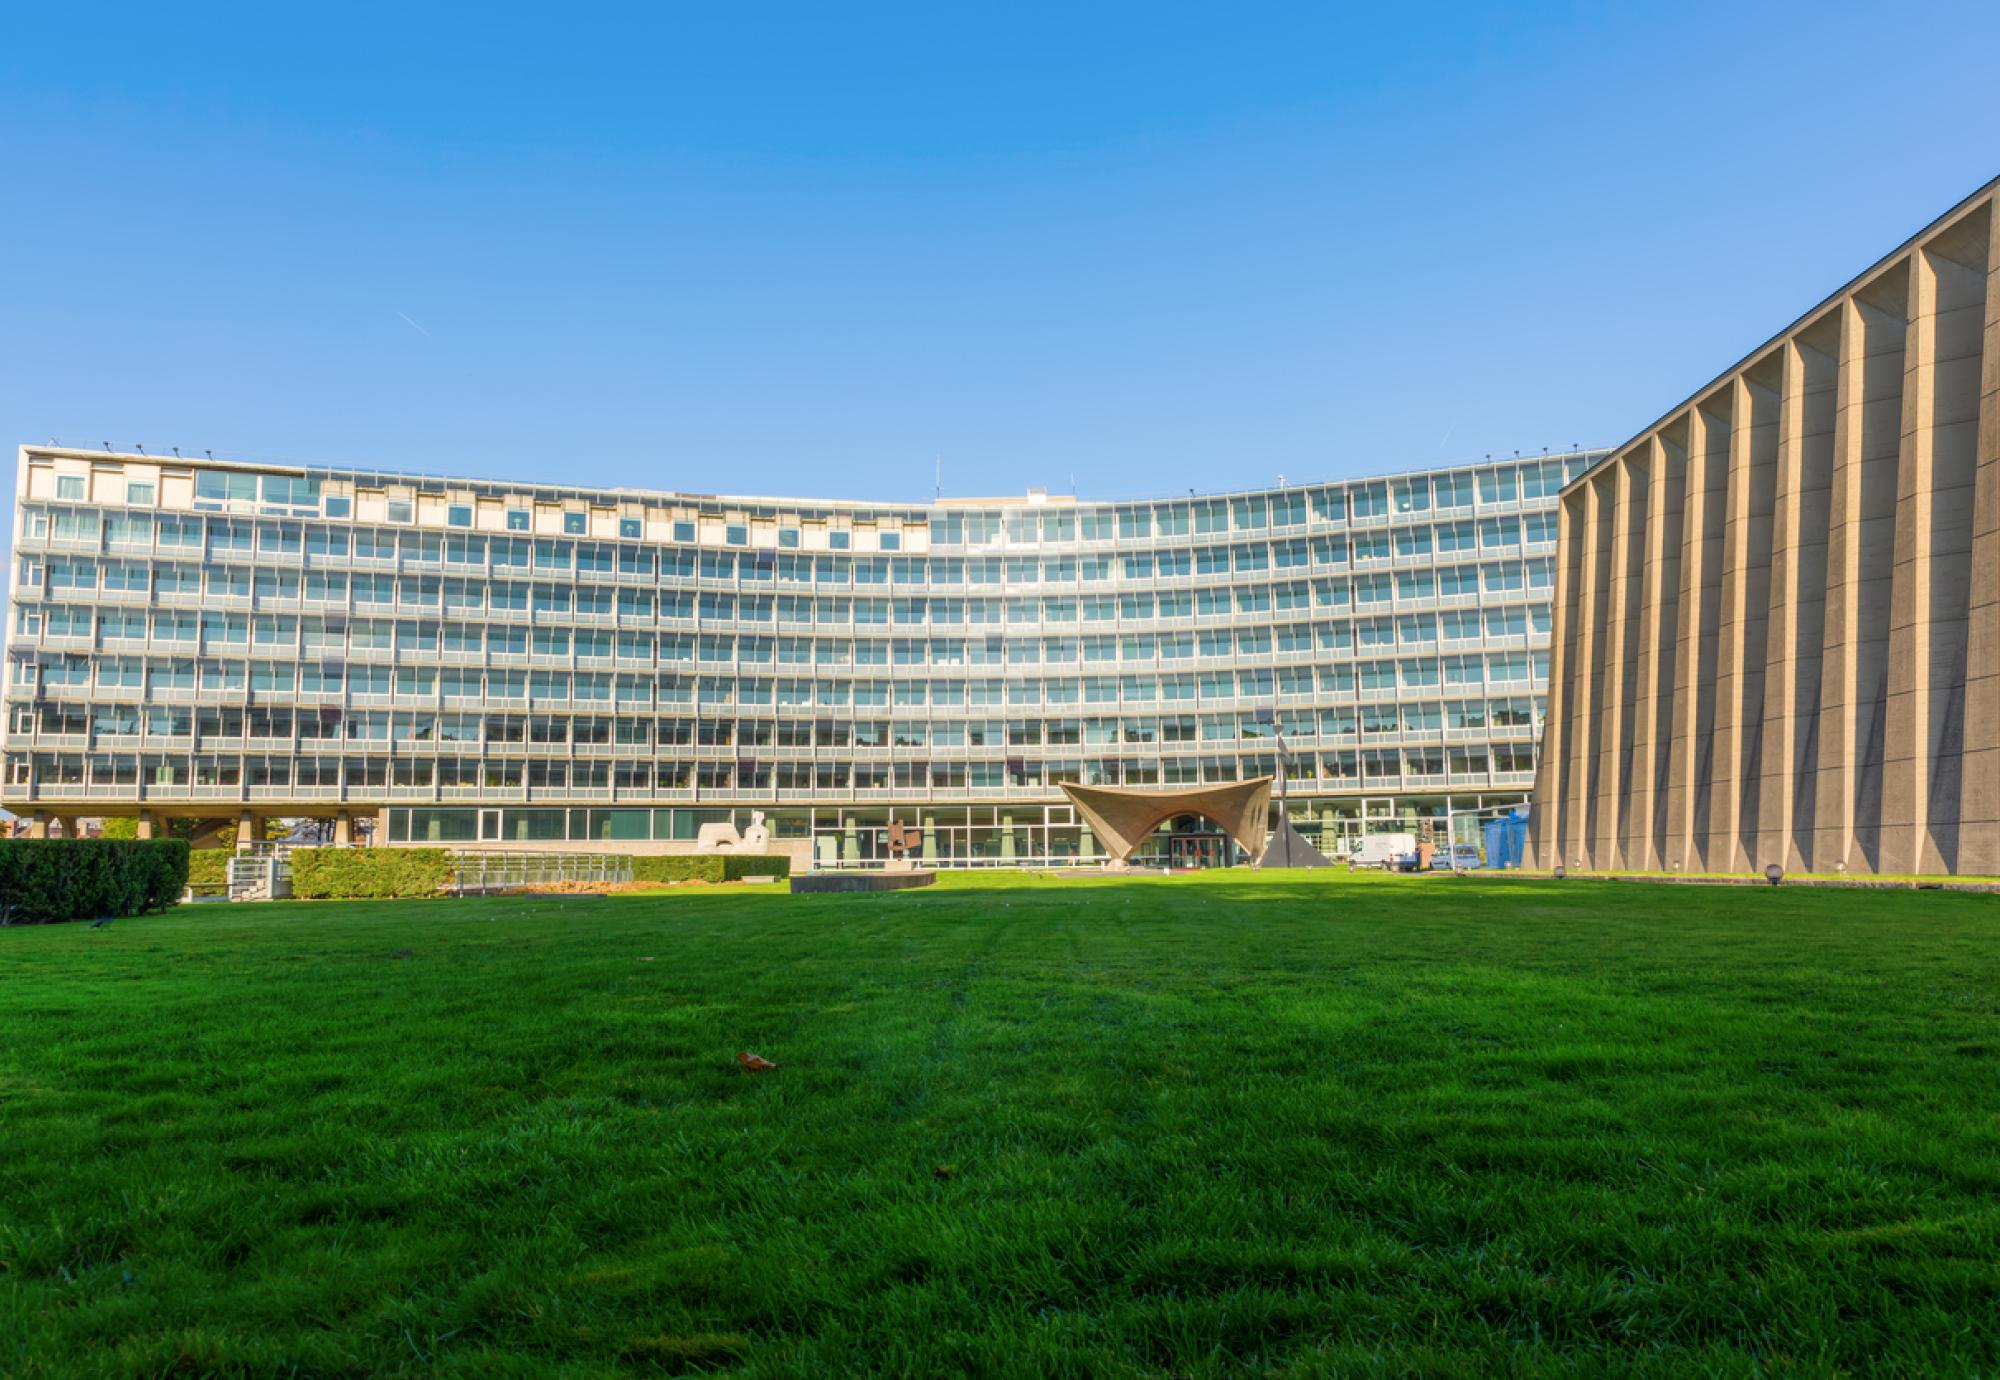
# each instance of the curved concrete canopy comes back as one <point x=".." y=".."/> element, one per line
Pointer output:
<point x="1122" y="818"/>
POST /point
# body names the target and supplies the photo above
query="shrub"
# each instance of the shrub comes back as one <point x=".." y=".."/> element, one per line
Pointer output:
<point x="708" y="867"/>
<point x="209" y="867"/>
<point x="44" y="880"/>
<point x="354" y="874"/>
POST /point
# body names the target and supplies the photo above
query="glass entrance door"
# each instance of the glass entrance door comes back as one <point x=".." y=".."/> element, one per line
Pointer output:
<point x="1196" y="850"/>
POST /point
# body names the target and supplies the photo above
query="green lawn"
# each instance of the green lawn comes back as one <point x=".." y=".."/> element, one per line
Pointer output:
<point x="1213" y="1125"/>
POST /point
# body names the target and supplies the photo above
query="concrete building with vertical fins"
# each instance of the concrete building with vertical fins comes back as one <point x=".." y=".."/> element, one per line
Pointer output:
<point x="1777" y="609"/>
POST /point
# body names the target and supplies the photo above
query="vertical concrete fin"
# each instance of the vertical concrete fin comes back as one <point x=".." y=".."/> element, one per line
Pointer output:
<point x="1979" y="777"/>
<point x="1797" y="606"/>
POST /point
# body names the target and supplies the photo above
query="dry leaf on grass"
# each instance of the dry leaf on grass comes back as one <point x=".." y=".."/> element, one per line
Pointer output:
<point x="756" y="1063"/>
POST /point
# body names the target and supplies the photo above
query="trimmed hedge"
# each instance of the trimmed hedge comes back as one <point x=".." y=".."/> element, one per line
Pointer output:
<point x="372" y="874"/>
<point x="43" y="880"/>
<point x="708" y="867"/>
<point x="209" y="866"/>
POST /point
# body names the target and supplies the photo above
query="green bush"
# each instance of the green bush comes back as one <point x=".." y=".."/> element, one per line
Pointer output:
<point x="44" y="880"/>
<point x="354" y="874"/>
<point x="209" y="867"/>
<point x="708" y="867"/>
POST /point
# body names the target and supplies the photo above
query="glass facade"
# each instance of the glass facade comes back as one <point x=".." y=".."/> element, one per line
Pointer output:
<point x="492" y="661"/>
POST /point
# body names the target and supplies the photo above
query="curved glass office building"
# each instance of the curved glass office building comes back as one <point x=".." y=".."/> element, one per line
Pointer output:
<point x="475" y="662"/>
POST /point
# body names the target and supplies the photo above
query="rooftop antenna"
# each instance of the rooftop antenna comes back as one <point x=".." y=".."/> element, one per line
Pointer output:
<point x="136" y="446"/>
<point x="107" y="448"/>
<point x="209" y="453"/>
<point x="937" y="478"/>
<point x="177" y="452"/>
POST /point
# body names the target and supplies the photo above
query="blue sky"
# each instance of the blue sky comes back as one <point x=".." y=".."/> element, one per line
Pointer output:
<point x="811" y="249"/>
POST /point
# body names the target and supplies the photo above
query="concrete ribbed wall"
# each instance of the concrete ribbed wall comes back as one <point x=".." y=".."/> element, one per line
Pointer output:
<point x="1777" y="611"/>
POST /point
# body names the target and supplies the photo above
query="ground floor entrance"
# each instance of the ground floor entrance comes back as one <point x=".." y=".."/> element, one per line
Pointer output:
<point x="1186" y="851"/>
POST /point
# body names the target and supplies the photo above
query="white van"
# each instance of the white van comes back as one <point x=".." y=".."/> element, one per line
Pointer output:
<point x="1386" y="851"/>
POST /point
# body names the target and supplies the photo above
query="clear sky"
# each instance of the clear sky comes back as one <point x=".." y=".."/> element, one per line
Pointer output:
<point x="812" y="249"/>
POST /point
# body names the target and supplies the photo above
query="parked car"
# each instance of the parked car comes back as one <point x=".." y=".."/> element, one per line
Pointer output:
<point x="1464" y="857"/>
<point x="1386" y="851"/>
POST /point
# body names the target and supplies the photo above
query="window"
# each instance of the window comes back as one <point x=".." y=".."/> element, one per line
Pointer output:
<point x="839" y="541"/>
<point x="736" y="534"/>
<point x="575" y="524"/>
<point x="631" y="527"/>
<point x="458" y="515"/>
<point x="890" y="541"/>
<point x="339" y="507"/>
<point x="139" y="494"/>
<point x="788" y="536"/>
<point x="216" y="484"/>
<point x="402" y="510"/>
<point x="69" y="486"/>
<point x="684" y="531"/>
<point x="517" y="519"/>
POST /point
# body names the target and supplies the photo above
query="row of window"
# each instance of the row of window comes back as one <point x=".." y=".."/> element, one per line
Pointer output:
<point x="219" y="538"/>
<point x="429" y="728"/>
<point x="71" y="577"/>
<point x="48" y="773"/>
<point x="320" y="638"/>
<point x="54" y="672"/>
<point x="1006" y="832"/>
<point x="1526" y="482"/>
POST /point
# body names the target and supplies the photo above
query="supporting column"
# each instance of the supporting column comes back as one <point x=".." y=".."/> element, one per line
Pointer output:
<point x="1628" y="518"/>
<point x="148" y="826"/>
<point x="1694" y="654"/>
<point x="1746" y="569"/>
<point x="1588" y="684"/>
<point x="1797" y="618"/>
<point x="1979" y="789"/>
<point x="1661" y="635"/>
<point x="249" y="829"/>
<point x="1860" y="558"/>
<point x="38" y="825"/>
<point x="343" y="829"/>
<point x="1550" y="822"/>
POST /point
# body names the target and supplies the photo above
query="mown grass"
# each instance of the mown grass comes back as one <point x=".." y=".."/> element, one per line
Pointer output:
<point x="1291" y="1125"/>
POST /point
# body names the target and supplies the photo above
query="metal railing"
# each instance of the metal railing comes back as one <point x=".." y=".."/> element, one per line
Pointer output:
<point x="476" y="871"/>
<point x="261" y="872"/>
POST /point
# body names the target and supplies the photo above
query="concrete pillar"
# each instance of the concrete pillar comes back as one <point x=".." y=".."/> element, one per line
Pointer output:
<point x="1904" y="773"/>
<point x="148" y="826"/>
<point x="1979" y="787"/>
<point x="249" y="829"/>
<point x="1653" y="705"/>
<point x="1549" y="818"/>
<point x="1860" y="563"/>
<point x="1936" y="470"/>
<point x="1702" y="506"/>
<point x="1802" y="514"/>
<point x="1587" y="717"/>
<point x="1620" y="624"/>
<point x="343" y="829"/>
<point x="38" y="825"/>
<point x="1749" y="500"/>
